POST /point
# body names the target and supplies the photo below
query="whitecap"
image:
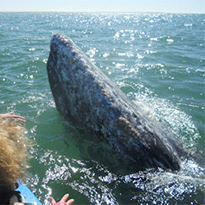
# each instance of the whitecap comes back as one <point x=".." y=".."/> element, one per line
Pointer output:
<point x="188" y="24"/>
<point x="105" y="55"/>
<point x="32" y="49"/>
<point x="117" y="35"/>
<point x="170" y="41"/>
<point x="153" y="39"/>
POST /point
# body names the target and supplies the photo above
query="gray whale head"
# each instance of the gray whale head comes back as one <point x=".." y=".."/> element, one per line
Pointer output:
<point x="88" y="97"/>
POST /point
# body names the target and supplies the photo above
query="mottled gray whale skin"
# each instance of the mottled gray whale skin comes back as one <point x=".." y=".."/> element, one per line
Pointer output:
<point x="87" y="96"/>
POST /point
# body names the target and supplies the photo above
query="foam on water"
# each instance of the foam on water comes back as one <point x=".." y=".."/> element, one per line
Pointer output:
<point x="173" y="118"/>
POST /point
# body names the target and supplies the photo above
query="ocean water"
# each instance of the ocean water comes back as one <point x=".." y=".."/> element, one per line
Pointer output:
<point x="158" y="60"/>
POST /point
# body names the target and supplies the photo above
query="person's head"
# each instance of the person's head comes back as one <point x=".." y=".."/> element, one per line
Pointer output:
<point x="13" y="155"/>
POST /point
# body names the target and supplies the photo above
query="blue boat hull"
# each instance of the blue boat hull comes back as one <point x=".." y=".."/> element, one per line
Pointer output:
<point x="27" y="193"/>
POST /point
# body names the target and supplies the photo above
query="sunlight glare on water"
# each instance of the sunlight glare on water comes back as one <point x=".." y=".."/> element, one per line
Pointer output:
<point x="157" y="61"/>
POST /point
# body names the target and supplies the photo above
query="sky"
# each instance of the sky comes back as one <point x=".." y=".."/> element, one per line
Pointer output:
<point x="167" y="6"/>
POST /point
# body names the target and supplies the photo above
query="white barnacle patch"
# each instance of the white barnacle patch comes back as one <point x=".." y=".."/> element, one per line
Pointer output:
<point x="105" y="93"/>
<point x="82" y="60"/>
<point x="125" y="126"/>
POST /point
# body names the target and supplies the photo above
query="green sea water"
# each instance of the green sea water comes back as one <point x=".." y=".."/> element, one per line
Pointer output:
<point x="158" y="60"/>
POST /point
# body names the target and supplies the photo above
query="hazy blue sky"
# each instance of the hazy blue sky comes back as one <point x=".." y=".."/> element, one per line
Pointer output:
<point x="174" y="6"/>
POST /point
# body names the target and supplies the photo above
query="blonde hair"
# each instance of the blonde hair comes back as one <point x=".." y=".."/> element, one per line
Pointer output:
<point x="13" y="153"/>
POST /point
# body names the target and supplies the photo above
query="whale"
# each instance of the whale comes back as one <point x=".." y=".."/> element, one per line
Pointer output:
<point x="84" y="95"/>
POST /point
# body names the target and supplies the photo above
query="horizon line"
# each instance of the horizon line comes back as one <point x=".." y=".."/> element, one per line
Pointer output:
<point x="154" y="12"/>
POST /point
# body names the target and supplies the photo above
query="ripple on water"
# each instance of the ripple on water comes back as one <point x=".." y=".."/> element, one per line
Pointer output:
<point x="148" y="55"/>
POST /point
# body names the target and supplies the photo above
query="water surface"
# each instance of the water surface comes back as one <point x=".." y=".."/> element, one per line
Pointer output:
<point x="156" y="59"/>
